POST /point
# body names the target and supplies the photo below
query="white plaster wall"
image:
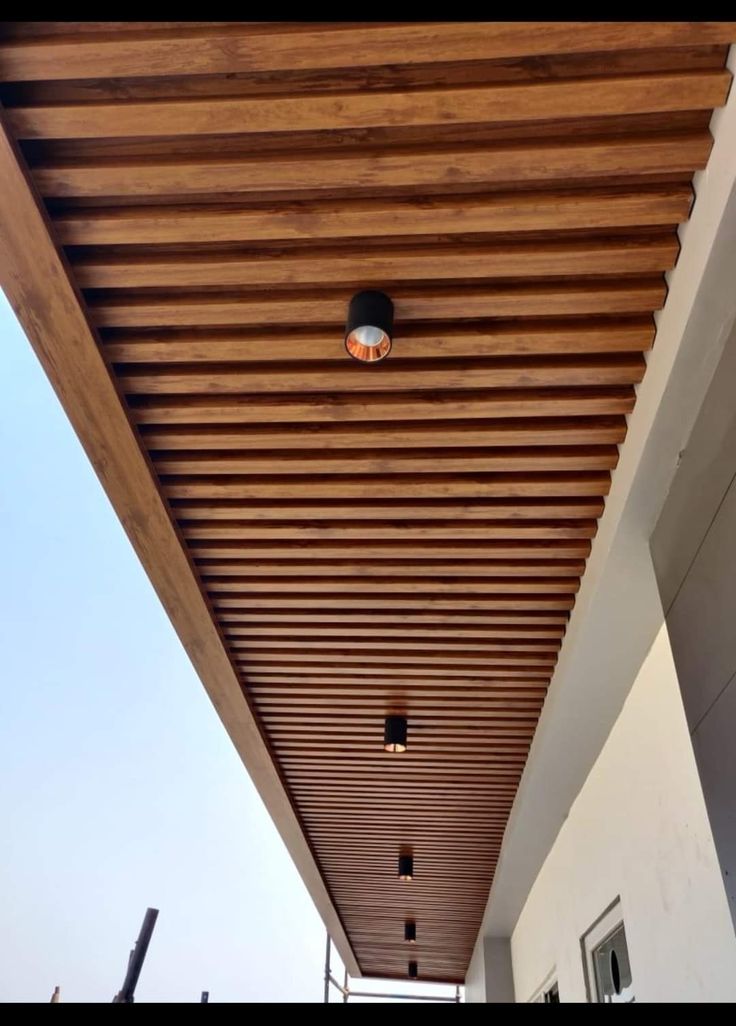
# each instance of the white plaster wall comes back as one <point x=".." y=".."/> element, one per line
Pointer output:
<point x="638" y="829"/>
<point x="475" y="977"/>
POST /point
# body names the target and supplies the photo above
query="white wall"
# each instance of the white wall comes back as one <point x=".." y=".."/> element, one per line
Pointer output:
<point x="637" y="829"/>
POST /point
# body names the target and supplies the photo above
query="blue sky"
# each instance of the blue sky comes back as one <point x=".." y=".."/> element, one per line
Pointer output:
<point x="119" y="788"/>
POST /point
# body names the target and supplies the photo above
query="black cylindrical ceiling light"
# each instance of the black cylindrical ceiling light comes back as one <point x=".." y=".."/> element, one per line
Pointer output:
<point x="410" y="931"/>
<point x="413" y="971"/>
<point x="406" y="867"/>
<point x="370" y="326"/>
<point x="394" y="734"/>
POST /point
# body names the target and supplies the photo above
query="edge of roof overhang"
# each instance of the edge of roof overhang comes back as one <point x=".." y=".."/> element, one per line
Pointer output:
<point x="37" y="282"/>
<point x="618" y="611"/>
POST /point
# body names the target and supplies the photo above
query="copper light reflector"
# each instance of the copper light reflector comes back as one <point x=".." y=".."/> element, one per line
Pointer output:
<point x="369" y="326"/>
<point x="394" y="735"/>
<point x="406" y="867"/>
<point x="410" y="931"/>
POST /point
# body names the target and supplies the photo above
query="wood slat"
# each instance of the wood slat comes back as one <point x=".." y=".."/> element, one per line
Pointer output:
<point x="532" y="678"/>
<point x="388" y="487"/>
<point x="442" y="530"/>
<point x="277" y="600"/>
<point x="490" y="166"/>
<point x="547" y="338"/>
<point x="512" y="301"/>
<point x="407" y="630"/>
<point x="387" y="461"/>
<point x="614" y="369"/>
<point x="249" y="409"/>
<point x="371" y="618"/>
<point x="490" y="509"/>
<point x="392" y="642"/>
<point x="380" y="585"/>
<point x="332" y="654"/>
<point x="386" y="268"/>
<point x="369" y="569"/>
<point x="497" y="103"/>
<point x="243" y="51"/>
<point x="355" y="219"/>
<point x="312" y="696"/>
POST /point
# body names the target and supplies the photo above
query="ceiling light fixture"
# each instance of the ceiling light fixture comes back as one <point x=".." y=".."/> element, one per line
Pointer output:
<point x="410" y="931"/>
<point x="406" y="867"/>
<point x="413" y="971"/>
<point x="369" y="327"/>
<point x="394" y="734"/>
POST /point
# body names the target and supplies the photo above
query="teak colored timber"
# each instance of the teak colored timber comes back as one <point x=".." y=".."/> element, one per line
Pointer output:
<point x="336" y="542"/>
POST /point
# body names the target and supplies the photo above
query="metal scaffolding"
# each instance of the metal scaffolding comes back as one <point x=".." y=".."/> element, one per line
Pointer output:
<point x="346" y="992"/>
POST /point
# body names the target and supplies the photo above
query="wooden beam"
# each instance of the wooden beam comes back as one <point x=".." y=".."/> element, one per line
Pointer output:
<point x="593" y="209"/>
<point x="368" y="569"/>
<point x="346" y="408"/>
<point x="525" y="621"/>
<point x="391" y="486"/>
<point x="343" y="509"/>
<point x="241" y="50"/>
<point x="545" y="372"/>
<point x="548" y="338"/>
<point x="410" y="632"/>
<point x="424" y="549"/>
<point x="448" y="531"/>
<point x="388" y="646"/>
<point x="488" y="166"/>
<point x="36" y="282"/>
<point x="234" y="586"/>
<point x="428" y="602"/>
<point x="388" y="461"/>
<point x="387" y="267"/>
<point x="517" y="102"/>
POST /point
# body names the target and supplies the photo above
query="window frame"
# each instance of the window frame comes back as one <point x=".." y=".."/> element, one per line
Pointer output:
<point x="550" y="981"/>
<point x="597" y="933"/>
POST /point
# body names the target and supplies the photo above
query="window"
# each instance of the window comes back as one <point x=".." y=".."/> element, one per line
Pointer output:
<point x="606" y="957"/>
<point x="552" y="996"/>
<point x="548" y="993"/>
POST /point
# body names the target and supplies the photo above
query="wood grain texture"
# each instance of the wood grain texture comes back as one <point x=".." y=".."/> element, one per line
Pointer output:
<point x="499" y="103"/>
<point x="485" y="166"/>
<point x="239" y="49"/>
<point x="553" y="337"/>
<point x="336" y="542"/>
<point x="351" y="219"/>
<point x="467" y="263"/>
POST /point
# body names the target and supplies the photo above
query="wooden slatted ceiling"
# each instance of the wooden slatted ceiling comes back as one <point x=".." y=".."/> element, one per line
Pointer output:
<point x="407" y="537"/>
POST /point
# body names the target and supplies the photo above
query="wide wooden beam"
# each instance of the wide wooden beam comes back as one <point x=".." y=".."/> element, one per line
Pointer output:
<point x="448" y="530"/>
<point x="496" y="166"/>
<point x="368" y="569"/>
<point x="240" y="49"/>
<point x="386" y="267"/>
<point x="343" y="509"/>
<point x="388" y="461"/>
<point x="544" y="372"/>
<point x="391" y="486"/>
<point x="661" y="206"/>
<point x="35" y="279"/>
<point x="518" y="102"/>
<point x="545" y="338"/>
<point x="308" y="409"/>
